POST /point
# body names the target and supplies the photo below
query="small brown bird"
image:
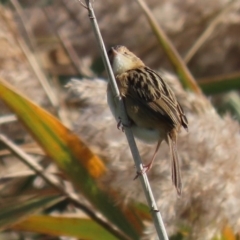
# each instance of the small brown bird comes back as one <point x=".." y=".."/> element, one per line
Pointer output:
<point x="151" y="106"/>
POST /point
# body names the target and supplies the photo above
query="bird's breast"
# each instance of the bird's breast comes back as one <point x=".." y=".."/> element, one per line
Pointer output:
<point x="147" y="135"/>
<point x="112" y="102"/>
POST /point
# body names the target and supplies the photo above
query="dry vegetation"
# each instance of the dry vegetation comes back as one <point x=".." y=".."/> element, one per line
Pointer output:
<point x="60" y="37"/>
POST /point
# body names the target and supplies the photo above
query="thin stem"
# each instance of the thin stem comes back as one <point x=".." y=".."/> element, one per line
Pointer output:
<point x="54" y="182"/>
<point x="8" y="118"/>
<point x="220" y="84"/>
<point x="161" y="231"/>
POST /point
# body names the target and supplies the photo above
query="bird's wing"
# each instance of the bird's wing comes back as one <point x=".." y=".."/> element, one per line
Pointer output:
<point x="154" y="95"/>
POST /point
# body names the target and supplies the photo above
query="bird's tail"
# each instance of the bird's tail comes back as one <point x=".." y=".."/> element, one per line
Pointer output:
<point x="176" y="173"/>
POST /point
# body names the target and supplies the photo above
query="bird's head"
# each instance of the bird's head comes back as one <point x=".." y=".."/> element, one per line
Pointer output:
<point x="123" y="60"/>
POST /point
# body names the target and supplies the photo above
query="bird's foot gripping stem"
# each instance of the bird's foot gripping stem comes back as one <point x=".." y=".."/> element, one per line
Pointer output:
<point x="121" y="126"/>
<point x="145" y="169"/>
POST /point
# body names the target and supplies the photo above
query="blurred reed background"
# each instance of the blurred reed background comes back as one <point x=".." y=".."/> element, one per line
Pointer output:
<point x="44" y="44"/>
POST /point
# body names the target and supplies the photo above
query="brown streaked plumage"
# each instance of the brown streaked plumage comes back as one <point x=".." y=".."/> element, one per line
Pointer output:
<point x="151" y="106"/>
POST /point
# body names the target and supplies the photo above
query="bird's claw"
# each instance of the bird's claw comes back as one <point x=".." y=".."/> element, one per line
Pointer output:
<point x="145" y="169"/>
<point x="121" y="126"/>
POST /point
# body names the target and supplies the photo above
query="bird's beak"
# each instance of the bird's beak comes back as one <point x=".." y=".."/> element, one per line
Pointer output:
<point x="114" y="52"/>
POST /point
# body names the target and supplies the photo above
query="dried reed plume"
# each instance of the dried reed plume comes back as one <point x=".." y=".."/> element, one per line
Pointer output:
<point x="209" y="153"/>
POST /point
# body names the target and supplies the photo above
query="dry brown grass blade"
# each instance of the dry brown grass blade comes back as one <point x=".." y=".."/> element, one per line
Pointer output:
<point x="208" y="32"/>
<point x="32" y="61"/>
<point x="184" y="74"/>
<point x="63" y="111"/>
<point x="60" y="108"/>
<point x="23" y="174"/>
<point x="54" y="182"/>
<point x="24" y="21"/>
<point x="27" y="150"/>
<point x="75" y="60"/>
<point x="57" y="33"/>
<point x="8" y="119"/>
